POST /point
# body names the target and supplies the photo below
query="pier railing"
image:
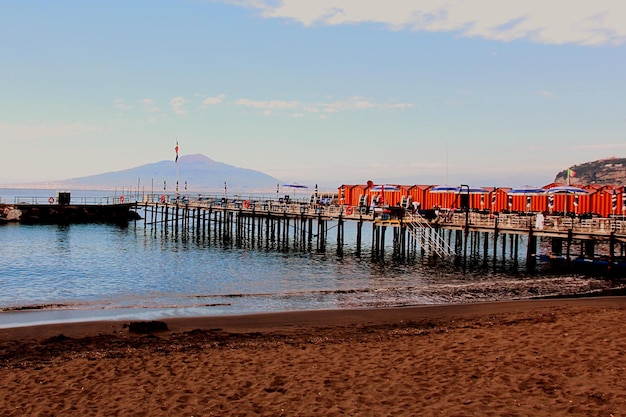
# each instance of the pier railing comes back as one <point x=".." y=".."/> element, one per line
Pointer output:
<point x="511" y="222"/>
<point x="523" y="223"/>
<point x="84" y="201"/>
<point x="291" y="208"/>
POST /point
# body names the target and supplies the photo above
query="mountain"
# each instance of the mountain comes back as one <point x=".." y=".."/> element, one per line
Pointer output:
<point x="611" y="171"/>
<point x="200" y="172"/>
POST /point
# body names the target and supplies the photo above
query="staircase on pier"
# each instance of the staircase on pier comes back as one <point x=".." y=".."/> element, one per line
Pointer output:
<point x="429" y="238"/>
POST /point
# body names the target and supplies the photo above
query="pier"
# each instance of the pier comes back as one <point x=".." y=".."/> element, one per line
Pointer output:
<point x="304" y="226"/>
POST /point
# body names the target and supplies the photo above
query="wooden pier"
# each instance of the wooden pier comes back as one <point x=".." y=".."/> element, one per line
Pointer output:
<point x="275" y="224"/>
<point x="280" y="224"/>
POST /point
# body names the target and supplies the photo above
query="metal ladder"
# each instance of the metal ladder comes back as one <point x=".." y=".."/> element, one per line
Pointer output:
<point x="429" y="241"/>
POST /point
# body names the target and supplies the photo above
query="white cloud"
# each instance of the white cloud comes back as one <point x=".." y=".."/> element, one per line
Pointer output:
<point x="599" y="22"/>
<point x="268" y="104"/>
<point x="177" y="104"/>
<point x="351" y="104"/>
<point x="149" y="106"/>
<point x="546" y="94"/>
<point x="213" y="100"/>
<point x="121" y="105"/>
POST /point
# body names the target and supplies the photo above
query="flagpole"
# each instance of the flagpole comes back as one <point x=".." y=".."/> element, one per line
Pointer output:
<point x="176" y="169"/>
<point x="569" y="179"/>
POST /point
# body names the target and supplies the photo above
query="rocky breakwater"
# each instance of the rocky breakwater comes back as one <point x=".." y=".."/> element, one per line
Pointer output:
<point x="9" y="213"/>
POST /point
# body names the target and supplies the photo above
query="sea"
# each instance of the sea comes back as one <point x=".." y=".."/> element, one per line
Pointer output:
<point x="83" y="272"/>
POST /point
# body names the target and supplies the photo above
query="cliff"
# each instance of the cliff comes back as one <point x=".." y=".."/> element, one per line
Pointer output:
<point x="611" y="171"/>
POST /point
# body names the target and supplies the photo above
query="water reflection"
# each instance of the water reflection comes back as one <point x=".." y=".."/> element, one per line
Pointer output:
<point x="105" y="266"/>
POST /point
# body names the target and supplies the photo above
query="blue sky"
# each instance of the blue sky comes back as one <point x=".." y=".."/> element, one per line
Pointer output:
<point x="486" y="92"/>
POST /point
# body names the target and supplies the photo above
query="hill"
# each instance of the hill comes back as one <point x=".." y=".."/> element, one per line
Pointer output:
<point x="611" y="171"/>
<point x="198" y="171"/>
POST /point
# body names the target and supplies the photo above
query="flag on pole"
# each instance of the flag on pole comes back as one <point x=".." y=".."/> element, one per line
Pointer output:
<point x="176" y="149"/>
<point x="570" y="173"/>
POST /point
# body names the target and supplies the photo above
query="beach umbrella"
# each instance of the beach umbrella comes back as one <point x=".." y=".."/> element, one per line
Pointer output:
<point x="444" y="189"/>
<point x="566" y="189"/>
<point x="385" y="187"/>
<point x="466" y="190"/>
<point x="474" y="190"/>
<point x="314" y="196"/>
<point x="550" y="202"/>
<point x="445" y="201"/>
<point x="295" y="186"/>
<point x="526" y="190"/>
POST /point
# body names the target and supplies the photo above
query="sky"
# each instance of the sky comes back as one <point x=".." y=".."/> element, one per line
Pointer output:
<point x="480" y="92"/>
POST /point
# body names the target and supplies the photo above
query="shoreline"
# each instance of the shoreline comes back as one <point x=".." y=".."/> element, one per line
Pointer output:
<point x="44" y="316"/>
<point x="540" y="357"/>
<point x="274" y="321"/>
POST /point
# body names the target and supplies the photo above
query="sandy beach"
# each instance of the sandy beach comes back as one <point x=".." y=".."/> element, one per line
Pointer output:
<point x="520" y="358"/>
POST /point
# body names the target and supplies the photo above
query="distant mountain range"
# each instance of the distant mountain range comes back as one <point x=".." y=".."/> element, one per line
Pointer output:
<point x="611" y="171"/>
<point x="199" y="172"/>
<point x="202" y="174"/>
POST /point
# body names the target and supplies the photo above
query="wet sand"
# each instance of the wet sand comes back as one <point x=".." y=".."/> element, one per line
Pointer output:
<point x="520" y="358"/>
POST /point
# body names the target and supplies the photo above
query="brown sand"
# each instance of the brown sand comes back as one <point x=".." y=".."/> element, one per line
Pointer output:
<point x="540" y="358"/>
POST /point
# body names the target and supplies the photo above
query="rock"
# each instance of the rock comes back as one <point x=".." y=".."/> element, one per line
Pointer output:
<point x="146" y="326"/>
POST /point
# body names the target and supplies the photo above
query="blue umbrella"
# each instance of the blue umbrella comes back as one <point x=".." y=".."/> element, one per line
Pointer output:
<point x="526" y="190"/>
<point x="453" y="189"/>
<point x="295" y="186"/>
<point x="445" y="189"/>
<point x="566" y="189"/>
<point x="385" y="187"/>
<point x="474" y="190"/>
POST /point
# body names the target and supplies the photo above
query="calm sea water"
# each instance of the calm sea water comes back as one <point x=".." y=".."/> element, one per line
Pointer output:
<point x="51" y="273"/>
